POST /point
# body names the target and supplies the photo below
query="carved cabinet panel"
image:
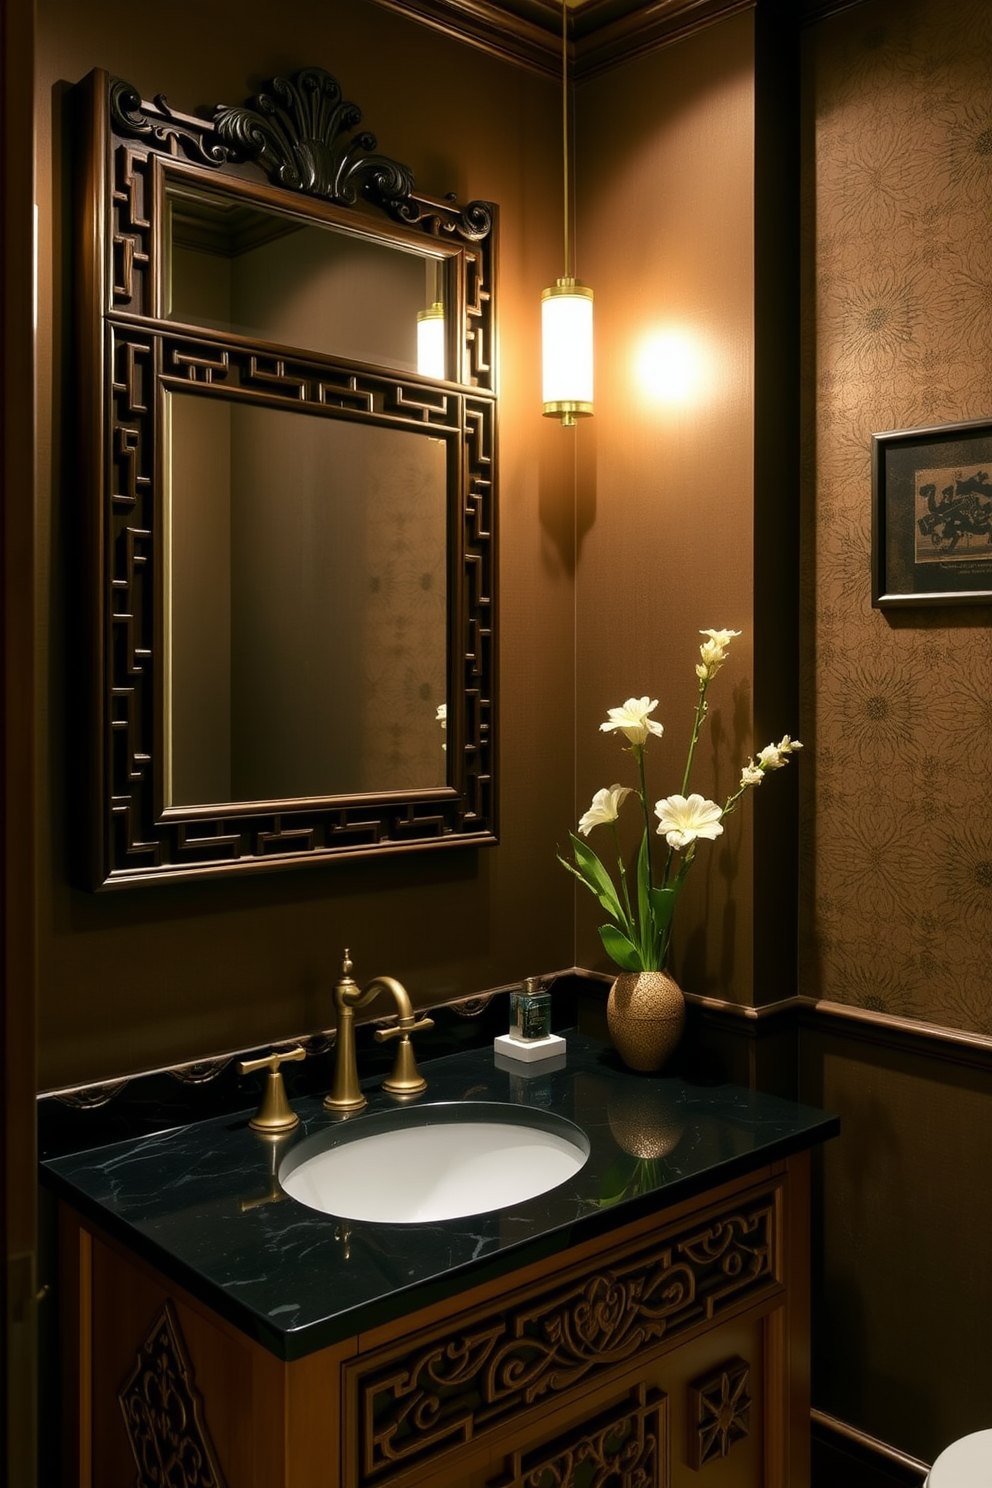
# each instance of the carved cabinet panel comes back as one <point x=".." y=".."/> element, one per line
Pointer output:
<point x="670" y="1354"/>
<point x="473" y="1377"/>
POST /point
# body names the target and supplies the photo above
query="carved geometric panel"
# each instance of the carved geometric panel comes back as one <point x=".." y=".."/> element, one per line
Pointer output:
<point x="143" y="841"/>
<point x="131" y="230"/>
<point x="626" y="1447"/>
<point x="163" y="1414"/>
<point x="719" y="1411"/>
<point x="474" y="1376"/>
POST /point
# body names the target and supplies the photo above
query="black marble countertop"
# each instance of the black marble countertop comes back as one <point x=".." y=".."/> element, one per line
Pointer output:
<point x="202" y="1201"/>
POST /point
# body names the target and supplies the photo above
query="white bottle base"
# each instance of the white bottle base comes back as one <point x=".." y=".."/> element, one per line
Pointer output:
<point x="529" y="1051"/>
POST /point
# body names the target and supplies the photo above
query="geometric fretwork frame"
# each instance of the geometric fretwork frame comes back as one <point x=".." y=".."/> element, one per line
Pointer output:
<point x="294" y="143"/>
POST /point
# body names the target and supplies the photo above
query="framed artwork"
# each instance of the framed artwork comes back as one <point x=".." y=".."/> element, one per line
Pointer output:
<point x="931" y="493"/>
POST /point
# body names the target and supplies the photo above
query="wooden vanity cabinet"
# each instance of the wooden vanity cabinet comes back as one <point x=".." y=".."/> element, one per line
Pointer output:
<point x="670" y="1352"/>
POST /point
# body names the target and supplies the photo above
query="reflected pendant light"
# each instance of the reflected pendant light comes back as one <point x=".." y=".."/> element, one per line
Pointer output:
<point x="566" y="308"/>
<point x="430" y="341"/>
<point x="430" y="335"/>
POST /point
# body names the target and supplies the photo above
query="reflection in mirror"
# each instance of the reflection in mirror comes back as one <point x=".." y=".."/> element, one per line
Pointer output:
<point x="307" y="599"/>
<point x="238" y="266"/>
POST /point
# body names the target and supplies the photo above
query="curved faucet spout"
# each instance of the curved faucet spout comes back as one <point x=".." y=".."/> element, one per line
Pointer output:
<point x="345" y="1093"/>
<point x="397" y="992"/>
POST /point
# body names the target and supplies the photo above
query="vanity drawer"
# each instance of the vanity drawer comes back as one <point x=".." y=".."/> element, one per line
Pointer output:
<point x="563" y="1340"/>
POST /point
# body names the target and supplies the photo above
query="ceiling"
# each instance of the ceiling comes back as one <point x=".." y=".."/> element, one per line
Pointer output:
<point x="601" y="32"/>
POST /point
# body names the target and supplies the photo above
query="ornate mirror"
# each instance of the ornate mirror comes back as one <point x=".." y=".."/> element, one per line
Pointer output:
<point x="288" y="422"/>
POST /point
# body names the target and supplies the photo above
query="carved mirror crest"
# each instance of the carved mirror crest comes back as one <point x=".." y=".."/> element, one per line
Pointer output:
<point x="288" y="428"/>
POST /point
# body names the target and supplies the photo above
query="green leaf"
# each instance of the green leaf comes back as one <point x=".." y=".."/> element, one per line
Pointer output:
<point x="619" y="949"/>
<point x="614" y="1184"/>
<point x="663" y="902"/>
<point x="595" y="877"/>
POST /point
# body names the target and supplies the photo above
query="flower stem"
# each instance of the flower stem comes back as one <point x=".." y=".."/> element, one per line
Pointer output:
<point x="649" y="933"/>
<point x="631" y="935"/>
<point x="697" y="727"/>
<point x="639" y="751"/>
<point x="732" y="800"/>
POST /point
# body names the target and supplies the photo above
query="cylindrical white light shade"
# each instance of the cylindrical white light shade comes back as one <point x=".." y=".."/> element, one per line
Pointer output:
<point x="566" y="336"/>
<point x="430" y="341"/>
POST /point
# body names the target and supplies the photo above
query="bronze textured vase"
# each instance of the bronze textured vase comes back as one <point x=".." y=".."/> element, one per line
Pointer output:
<point x="646" y="1015"/>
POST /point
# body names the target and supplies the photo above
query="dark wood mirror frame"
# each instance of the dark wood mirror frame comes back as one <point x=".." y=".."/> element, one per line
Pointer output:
<point x="293" y="148"/>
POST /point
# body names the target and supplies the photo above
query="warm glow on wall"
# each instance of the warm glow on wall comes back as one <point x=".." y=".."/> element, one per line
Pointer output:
<point x="670" y="366"/>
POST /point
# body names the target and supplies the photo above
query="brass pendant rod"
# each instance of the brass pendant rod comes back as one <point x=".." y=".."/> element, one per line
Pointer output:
<point x="564" y="124"/>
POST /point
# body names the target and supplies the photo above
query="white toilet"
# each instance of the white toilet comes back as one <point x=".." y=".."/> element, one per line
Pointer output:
<point x="966" y="1463"/>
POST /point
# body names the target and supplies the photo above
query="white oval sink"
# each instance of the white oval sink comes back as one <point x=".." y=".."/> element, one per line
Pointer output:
<point x="426" y="1163"/>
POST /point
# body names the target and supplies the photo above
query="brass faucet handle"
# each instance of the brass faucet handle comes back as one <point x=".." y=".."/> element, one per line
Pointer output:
<point x="275" y="1113"/>
<point x="405" y="1079"/>
<point x="402" y="1029"/>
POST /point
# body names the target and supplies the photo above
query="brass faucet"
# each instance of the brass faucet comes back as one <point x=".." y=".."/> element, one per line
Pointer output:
<point x="405" y="1079"/>
<point x="274" y="1114"/>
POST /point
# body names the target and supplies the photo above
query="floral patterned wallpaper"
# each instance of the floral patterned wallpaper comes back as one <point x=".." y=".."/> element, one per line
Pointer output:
<point x="898" y="818"/>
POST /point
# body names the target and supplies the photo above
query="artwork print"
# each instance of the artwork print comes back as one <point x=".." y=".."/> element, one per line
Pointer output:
<point x="953" y="514"/>
<point x="931" y="508"/>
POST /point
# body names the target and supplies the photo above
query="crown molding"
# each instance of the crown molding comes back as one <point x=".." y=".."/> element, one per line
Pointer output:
<point x="603" y="33"/>
<point x="493" y="28"/>
<point x="604" y="44"/>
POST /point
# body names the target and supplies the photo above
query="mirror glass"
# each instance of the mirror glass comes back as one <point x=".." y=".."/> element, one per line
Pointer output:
<point x="306" y="604"/>
<point x="235" y="265"/>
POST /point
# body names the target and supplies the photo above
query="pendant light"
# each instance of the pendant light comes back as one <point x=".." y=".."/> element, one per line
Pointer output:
<point x="566" y="308"/>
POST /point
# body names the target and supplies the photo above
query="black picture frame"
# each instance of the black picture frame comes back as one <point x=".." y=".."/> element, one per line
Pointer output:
<point x="931" y="494"/>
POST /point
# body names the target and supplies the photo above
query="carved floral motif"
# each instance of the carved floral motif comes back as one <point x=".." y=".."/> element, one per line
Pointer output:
<point x="623" y="1448"/>
<point x="300" y="132"/>
<point x="163" y="1414"/>
<point x="303" y="134"/>
<point x="461" y="1384"/>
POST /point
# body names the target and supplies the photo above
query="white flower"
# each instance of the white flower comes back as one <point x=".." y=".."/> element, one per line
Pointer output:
<point x="682" y="820"/>
<point x="605" y="808"/>
<point x="632" y="719"/>
<point x="751" y="774"/>
<point x="442" y="714"/>
<point x="713" y="652"/>
<point x="774" y="756"/>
